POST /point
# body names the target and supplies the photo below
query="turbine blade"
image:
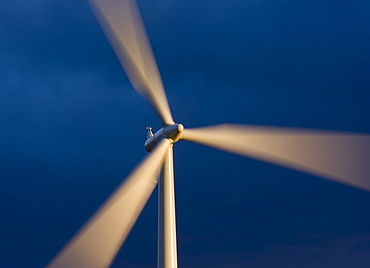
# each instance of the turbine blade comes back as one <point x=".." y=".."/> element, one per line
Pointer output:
<point x="339" y="156"/>
<point x="99" y="240"/>
<point x="123" y="26"/>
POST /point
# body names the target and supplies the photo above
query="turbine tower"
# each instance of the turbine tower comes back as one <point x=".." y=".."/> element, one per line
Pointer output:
<point x="338" y="156"/>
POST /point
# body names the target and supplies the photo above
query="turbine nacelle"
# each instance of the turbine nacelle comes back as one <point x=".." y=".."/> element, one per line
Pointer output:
<point x="171" y="132"/>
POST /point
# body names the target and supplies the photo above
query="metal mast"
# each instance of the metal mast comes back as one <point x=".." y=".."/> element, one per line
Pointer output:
<point x="167" y="244"/>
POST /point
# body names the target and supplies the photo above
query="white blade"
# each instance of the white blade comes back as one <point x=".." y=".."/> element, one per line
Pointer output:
<point x="99" y="240"/>
<point x="339" y="156"/>
<point x="121" y="22"/>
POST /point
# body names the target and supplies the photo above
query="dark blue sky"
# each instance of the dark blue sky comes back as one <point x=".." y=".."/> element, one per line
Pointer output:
<point x="71" y="128"/>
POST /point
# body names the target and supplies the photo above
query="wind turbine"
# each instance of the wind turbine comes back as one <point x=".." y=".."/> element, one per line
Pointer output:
<point x="338" y="156"/>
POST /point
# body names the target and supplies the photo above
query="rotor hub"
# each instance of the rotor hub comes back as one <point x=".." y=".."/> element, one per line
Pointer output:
<point x="173" y="132"/>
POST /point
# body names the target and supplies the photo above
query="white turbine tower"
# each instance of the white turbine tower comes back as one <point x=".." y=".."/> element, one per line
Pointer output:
<point x="338" y="156"/>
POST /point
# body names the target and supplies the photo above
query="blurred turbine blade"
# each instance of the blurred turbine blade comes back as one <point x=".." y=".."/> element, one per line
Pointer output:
<point x="339" y="156"/>
<point x="99" y="240"/>
<point x="123" y="26"/>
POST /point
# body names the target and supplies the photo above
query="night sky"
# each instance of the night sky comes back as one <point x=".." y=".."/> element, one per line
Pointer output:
<point x="72" y="128"/>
